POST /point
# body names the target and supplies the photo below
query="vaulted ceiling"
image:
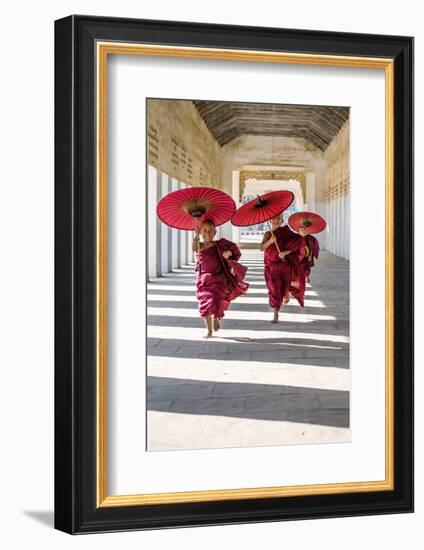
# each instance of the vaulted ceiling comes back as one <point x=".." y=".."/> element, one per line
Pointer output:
<point x="228" y="120"/>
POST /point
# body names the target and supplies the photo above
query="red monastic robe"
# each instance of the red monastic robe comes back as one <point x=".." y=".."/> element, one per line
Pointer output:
<point x="218" y="281"/>
<point x="311" y="253"/>
<point x="284" y="276"/>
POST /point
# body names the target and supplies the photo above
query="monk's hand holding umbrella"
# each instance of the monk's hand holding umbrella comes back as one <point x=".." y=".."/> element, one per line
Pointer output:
<point x="196" y="240"/>
<point x="282" y="254"/>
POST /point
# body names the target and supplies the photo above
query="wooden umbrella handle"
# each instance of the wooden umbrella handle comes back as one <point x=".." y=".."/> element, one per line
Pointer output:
<point x="272" y="233"/>
<point x="198" y="248"/>
<point x="269" y="225"/>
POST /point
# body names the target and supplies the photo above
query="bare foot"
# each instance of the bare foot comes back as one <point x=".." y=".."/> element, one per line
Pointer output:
<point x="275" y="319"/>
<point x="216" y="325"/>
<point x="207" y="335"/>
<point x="286" y="300"/>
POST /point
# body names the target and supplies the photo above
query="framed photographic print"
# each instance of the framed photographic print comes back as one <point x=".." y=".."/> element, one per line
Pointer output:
<point x="233" y="272"/>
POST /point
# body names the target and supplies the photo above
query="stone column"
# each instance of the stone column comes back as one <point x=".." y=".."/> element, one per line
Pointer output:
<point x="165" y="231"/>
<point x="310" y="191"/>
<point x="151" y="222"/>
<point x="182" y="239"/>
<point x="235" y="194"/>
<point x="225" y="230"/>
<point x="175" y="235"/>
<point x="159" y="225"/>
<point x="347" y="226"/>
<point x="190" y="255"/>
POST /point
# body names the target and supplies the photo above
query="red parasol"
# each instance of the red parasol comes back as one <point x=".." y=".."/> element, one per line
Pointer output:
<point x="188" y="208"/>
<point x="263" y="208"/>
<point x="312" y="222"/>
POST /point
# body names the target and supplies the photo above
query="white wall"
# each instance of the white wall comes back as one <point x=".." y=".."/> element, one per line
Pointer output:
<point x="26" y="220"/>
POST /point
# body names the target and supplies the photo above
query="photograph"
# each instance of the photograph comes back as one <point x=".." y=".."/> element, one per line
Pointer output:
<point x="248" y="234"/>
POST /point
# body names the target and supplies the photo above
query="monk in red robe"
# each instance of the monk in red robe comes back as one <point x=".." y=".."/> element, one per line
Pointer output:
<point x="283" y="270"/>
<point x="311" y="251"/>
<point x="219" y="277"/>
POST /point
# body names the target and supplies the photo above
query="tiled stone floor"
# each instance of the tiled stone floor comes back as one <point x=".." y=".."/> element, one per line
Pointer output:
<point x="255" y="383"/>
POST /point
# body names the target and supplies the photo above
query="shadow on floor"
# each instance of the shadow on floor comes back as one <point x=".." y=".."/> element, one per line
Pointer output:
<point x="292" y="307"/>
<point x="273" y="350"/>
<point x="248" y="400"/>
<point x="340" y="325"/>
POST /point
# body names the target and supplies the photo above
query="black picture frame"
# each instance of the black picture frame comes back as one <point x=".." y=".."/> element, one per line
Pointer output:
<point x="76" y="509"/>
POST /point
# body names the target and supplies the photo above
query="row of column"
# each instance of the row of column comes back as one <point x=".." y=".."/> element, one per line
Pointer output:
<point x="167" y="248"/>
<point x="170" y="248"/>
<point x="338" y="220"/>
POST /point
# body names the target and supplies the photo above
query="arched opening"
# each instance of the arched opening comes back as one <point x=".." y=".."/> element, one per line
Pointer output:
<point x="251" y="183"/>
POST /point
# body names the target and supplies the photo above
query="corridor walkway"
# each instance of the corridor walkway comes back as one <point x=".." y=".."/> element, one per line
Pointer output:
<point x="256" y="383"/>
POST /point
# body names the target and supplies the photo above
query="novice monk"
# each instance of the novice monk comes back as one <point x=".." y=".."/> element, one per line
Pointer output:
<point x="283" y="271"/>
<point x="312" y="251"/>
<point x="217" y="283"/>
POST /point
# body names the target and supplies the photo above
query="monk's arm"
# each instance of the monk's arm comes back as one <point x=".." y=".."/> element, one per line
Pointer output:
<point x="233" y="248"/>
<point x="196" y="245"/>
<point x="316" y="248"/>
<point x="267" y="240"/>
<point x="296" y="244"/>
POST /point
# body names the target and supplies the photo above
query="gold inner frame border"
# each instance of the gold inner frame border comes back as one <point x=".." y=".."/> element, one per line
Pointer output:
<point x="103" y="50"/>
